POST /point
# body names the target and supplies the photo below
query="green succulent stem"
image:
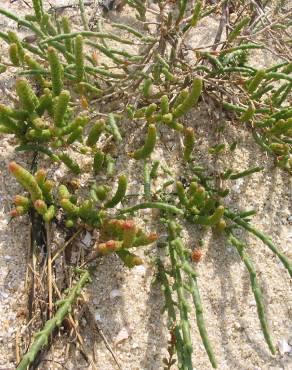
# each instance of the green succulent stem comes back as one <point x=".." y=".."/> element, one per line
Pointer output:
<point x="264" y="238"/>
<point x="254" y="83"/>
<point x="95" y="132"/>
<point x="190" y="100"/>
<point x="83" y="15"/>
<point x="238" y="28"/>
<point x="197" y="302"/>
<point x="189" y="143"/>
<point x="42" y="337"/>
<point x="147" y="182"/>
<point x="101" y="35"/>
<point x="71" y="209"/>
<point x="67" y="29"/>
<point x="98" y="160"/>
<point x="241" y="249"/>
<point x="182" y="194"/>
<point x="45" y="103"/>
<point x="182" y="4"/>
<point x="195" y="17"/>
<point x="181" y="299"/>
<point x="210" y="220"/>
<point x="154" y="170"/>
<point x="27" y="180"/>
<point x="13" y="55"/>
<point x="56" y="70"/>
<point x="170" y="307"/>
<point x="79" y="58"/>
<point x="147" y="87"/>
<point x="114" y="128"/>
<point x="63" y="192"/>
<point x="158" y="205"/>
<point x="27" y="97"/>
<point x="38" y="9"/>
<point x="148" y="146"/>
<point x="34" y="65"/>
<point x="248" y="114"/>
<point x="245" y="173"/>
<point x="120" y="193"/>
<point x="129" y="259"/>
<point x="60" y="108"/>
<point x="50" y="214"/>
<point x="70" y="163"/>
<point x="110" y="165"/>
<point x="22" y="22"/>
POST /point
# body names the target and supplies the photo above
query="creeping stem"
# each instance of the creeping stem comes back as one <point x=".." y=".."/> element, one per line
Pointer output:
<point x="170" y="307"/>
<point x="159" y="205"/>
<point x="264" y="238"/>
<point x="198" y="304"/>
<point x="42" y="337"/>
<point x="255" y="288"/>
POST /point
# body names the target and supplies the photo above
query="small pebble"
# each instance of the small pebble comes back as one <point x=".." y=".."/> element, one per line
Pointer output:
<point x="284" y="347"/>
<point x="115" y="293"/>
<point x="139" y="269"/>
<point x="86" y="240"/>
<point x="97" y="316"/>
<point x="122" y="335"/>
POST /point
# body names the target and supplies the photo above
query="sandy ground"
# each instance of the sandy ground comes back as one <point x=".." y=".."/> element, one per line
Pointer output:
<point x="129" y="301"/>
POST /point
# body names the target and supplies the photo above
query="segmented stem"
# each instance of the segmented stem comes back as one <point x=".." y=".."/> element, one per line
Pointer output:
<point x="147" y="182"/>
<point x="159" y="205"/>
<point x="101" y="35"/>
<point x="255" y="288"/>
<point x="198" y="304"/>
<point x="264" y="238"/>
<point x="170" y="307"/>
<point x="148" y="146"/>
<point x="83" y="15"/>
<point x="120" y="193"/>
<point x="43" y="336"/>
<point x="79" y="58"/>
<point x="56" y="70"/>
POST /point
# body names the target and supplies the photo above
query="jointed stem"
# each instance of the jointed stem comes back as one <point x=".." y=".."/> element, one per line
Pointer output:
<point x="158" y="205"/>
<point x="198" y="305"/>
<point x="170" y="307"/>
<point x="183" y="307"/>
<point x="200" y="320"/>
<point x="101" y="35"/>
<point x="83" y="15"/>
<point x="43" y="336"/>
<point x="22" y="22"/>
<point x="264" y="238"/>
<point x="255" y="288"/>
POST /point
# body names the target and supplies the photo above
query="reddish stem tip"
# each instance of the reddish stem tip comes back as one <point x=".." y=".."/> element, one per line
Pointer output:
<point x="13" y="213"/>
<point x="39" y="203"/>
<point x="111" y="244"/>
<point x="128" y="224"/>
<point x="12" y="166"/>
